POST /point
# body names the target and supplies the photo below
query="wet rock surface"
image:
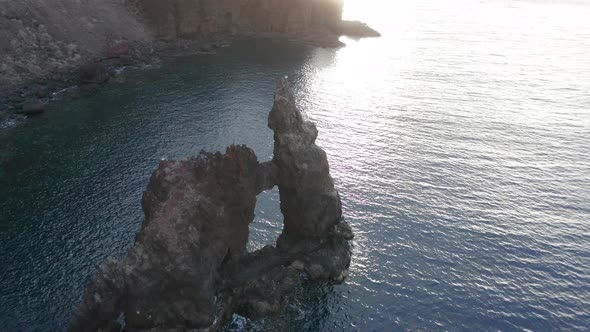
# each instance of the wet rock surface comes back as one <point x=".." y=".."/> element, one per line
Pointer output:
<point x="33" y="106"/>
<point x="193" y="19"/>
<point x="189" y="268"/>
<point x="309" y="202"/>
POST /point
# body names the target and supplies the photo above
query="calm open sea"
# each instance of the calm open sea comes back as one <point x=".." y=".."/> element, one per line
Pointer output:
<point x="459" y="141"/>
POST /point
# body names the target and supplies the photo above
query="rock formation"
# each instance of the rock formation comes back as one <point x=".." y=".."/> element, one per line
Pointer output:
<point x="53" y="45"/>
<point x="33" y="106"/>
<point x="189" y="269"/>
<point x="356" y="29"/>
<point x="198" y="18"/>
<point x="310" y="204"/>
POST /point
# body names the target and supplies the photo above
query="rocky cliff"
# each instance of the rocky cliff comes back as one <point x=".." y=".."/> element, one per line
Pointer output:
<point x="200" y="18"/>
<point x="40" y="38"/>
<point x="189" y="268"/>
<point x="46" y="46"/>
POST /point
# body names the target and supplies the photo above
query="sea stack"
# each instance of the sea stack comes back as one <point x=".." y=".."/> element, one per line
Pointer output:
<point x="309" y="202"/>
<point x="189" y="268"/>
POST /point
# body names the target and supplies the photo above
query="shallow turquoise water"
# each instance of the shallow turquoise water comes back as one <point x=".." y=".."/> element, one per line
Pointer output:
<point x="459" y="142"/>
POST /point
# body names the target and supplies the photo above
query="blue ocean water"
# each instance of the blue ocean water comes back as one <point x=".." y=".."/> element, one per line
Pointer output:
<point x="459" y="142"/>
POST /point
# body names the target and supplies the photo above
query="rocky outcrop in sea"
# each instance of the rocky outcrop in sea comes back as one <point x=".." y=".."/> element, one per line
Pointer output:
<point x="189" y="268"/>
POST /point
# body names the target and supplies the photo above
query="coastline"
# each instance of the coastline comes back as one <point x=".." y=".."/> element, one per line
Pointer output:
<point x="19" y="102"/>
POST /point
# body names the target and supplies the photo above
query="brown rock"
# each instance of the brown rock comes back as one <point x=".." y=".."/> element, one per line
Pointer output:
<point x="309" y="202"/>
<point x="93" y="73"/>
<point x="193" y="19"/>
<point x="197" y="213"/>
<point x="120" y="49"/>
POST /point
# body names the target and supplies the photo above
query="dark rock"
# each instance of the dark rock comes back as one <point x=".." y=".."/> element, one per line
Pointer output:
<point x="93" y="73"/>
<point x="189" y="269"/>
<point x="197" y="213"/>
<point x="309" y="202"/>
<point x="41" y="92"/>
<point x="125" y="60"/>
<point x="356" y="29"/>
<point x="33" y="106"/>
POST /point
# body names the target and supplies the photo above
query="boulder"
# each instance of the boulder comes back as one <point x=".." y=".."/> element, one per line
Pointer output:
<point x="41" y="92"/>
<point x="33" y="106"/>
<point x="93" y="73"/>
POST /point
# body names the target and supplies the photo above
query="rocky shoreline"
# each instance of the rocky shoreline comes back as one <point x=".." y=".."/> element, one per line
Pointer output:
<point x="48" y="59"/>
<point x="17" y="103"/>
<point x="26" y="100"/>
<point x="189" y="269"/>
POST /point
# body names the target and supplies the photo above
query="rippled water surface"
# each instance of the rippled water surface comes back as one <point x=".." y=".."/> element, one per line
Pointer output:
<point x="459" y="141"/>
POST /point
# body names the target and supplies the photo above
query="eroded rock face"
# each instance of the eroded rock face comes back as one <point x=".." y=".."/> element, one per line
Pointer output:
<point x="197" y="213"/>
<point x="199" y="18"/>
<point x="309" y="202"/>
<point x="189" y="269"/>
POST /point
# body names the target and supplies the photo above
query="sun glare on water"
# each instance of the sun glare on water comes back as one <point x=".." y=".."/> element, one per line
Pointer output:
<point x="372" y="10"/>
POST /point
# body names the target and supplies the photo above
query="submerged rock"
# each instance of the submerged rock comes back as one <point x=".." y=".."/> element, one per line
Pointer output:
<point x="189" y="268"/>
<point x="93" y="73"/>
<point x="33" y="106"/>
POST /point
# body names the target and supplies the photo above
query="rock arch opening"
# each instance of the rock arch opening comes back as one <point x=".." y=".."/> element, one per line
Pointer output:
<point x="268" y="221"/>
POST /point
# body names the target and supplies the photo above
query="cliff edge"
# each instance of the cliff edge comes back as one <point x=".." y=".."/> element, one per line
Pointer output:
<point x="47" y="46"/>
<point x="41" y="39"/>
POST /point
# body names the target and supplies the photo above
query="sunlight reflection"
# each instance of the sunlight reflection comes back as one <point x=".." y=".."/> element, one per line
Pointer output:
<point x="371" y="11"/>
